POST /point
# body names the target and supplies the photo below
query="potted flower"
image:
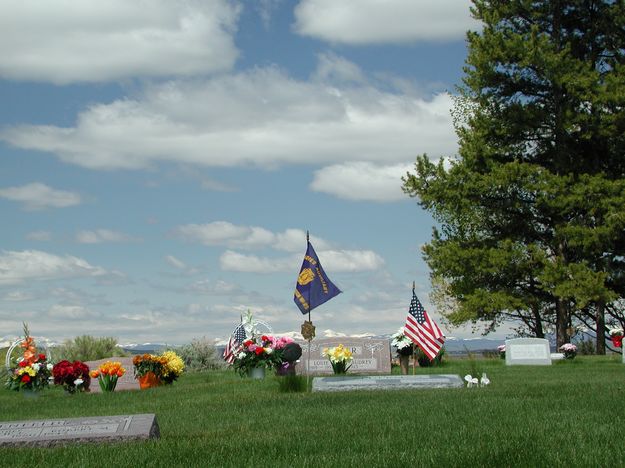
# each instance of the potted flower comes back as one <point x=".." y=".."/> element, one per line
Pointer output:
<point x="617" y="336"/>
<point x="502" y="351"/>
<point x="73" y="376"/>
<point x="173" y="367"/>
<point x="404" y="348"/>
<point x="148" y="369"/>
<point x="256" y="355"/>
<point x="340" y="357"/>
<point x="569" y="350"/>
<point x="32" y="370"/>
<point x="107" y="374"/>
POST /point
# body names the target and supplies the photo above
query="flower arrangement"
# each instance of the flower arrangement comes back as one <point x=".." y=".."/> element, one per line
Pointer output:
<point x="107" y="375"/>
<point x="569" y="350"/>
<point x="502" y="351"/>
<point x="264" y="351"/>
<point x="144" y="363"/>
<point x="173" y="367"/>
<point x="616" y="331"/>
<point x="166" y="367"/>
<point x="402" y="343"/>
<point x="32" y="370"/>
<point x="340" y="358"/>
<point x="73" y="376"/>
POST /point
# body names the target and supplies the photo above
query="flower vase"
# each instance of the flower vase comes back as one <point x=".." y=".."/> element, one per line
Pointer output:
<point x="257" y="373"/>
<point x="617" y="341"/>
<point x="149" y="380"/>
<point x="404" y="363"/>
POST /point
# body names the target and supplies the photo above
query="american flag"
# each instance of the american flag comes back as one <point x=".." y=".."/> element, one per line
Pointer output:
<point x="238" y="336"/>
<point x="421" y="329"/>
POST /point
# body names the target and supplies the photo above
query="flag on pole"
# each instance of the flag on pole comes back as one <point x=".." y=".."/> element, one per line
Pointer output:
<point x="421" y="329"/>
<point x="236" y="339"/>
<point x="313" y="286"/>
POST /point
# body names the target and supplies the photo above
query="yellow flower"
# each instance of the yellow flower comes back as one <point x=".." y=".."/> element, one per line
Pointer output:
<point x="173" y="364"/>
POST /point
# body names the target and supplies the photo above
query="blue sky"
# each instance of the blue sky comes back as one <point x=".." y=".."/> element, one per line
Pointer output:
<point x="161" y="161"/>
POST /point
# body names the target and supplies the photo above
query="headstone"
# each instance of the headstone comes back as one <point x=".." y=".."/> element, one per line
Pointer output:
<point x="125" y="382"/>
<point x="49" y="432"/>
<point x="528" y="351"/>
<point x="557" y="356"/>
<point x="385" y="382"/>
<point x="370" y="356"/>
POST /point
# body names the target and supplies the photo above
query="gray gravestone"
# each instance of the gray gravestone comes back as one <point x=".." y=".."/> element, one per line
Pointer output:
<point x="385" y="382"/>
<point x="370" y="356"/>
<point x="528" y="352"/>
<point x="125" y="382"/>
<point x="48" y="432"/>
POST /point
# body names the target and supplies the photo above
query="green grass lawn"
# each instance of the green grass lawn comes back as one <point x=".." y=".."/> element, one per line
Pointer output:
<point x="570" y="413"/>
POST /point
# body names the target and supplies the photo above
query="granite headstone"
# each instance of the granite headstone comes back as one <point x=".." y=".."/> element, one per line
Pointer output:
<point x="528" y="351"/>
<point x="370" y="356"/>
<point x="385" y="382"/>
<point x="125" y="382"/>
<point x="49" y="432"/>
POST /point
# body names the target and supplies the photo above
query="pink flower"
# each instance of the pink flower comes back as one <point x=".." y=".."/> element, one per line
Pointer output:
<point x="252" y="348"/>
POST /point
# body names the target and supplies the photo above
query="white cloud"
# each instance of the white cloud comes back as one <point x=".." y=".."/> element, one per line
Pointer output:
<point x="391" y="21"/>
<point x="173" y="261"/>
<point x="224" y="233"/>
<point x="70" y="312"/>
<point x="41" y="236"/>
<point x="331" y="67"/>
<point x="37" y="196"/>
<point x="362" y="181"/>
<point x="262" y="118"/>
<point x="64" y="41"/>
<point x="100" y="236"/>
<point x="219" y="287"/>
<point x="34" y="265"/>
<point x="332" y="260"/>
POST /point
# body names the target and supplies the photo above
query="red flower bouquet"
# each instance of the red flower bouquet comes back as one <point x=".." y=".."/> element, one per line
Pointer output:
<point x="73" y="376"/>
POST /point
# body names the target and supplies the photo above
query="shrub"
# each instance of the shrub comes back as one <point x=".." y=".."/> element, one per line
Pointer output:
<point x="424" y="361"/>
<point x="586" y="347"/>
<point x="88" y="348"/>
<point x="200" y="355"/>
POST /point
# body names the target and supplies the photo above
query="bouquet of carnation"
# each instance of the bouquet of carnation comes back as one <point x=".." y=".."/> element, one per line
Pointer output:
<point x="172" y="369"/>
<point x="32" y="370"/>
<point x="107" y="375"/>
<point x="257" y="352"/>
<point x="569" y="350"/>
<point x="73" y="376"/>
<point x="340" y="358"/>
<point x="402" y="343"/>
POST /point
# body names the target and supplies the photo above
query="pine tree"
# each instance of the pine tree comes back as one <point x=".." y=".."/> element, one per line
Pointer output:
<point x="531" y="212"/>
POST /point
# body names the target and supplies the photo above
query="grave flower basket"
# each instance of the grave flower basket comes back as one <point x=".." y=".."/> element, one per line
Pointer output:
<point x="617" y="337"/>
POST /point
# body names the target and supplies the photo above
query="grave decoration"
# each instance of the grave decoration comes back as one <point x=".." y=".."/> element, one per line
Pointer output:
<point x="72" y="376"/>
<point x="152" y="370"/>
<point x="340" y="358"/>
<point x="404" y="348"/>
<point x="31" y="371"/>
<point x="107" y="375"/>
<point x="616" y="334"/>
<point x="569" y="350"/>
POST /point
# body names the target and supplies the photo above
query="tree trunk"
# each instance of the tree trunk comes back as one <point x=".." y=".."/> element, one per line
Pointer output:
<point x="563" y="319"/>
<point x="600" y="326"/>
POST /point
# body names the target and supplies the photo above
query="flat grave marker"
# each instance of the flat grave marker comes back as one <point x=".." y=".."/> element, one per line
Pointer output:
<point x="528" y="352"/>
<point x="370" y="356"/>
<point x="50" y="432"/>
<point x="385" y="382"/>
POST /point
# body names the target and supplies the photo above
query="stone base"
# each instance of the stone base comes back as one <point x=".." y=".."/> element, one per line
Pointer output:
<point x="385" y="382"/>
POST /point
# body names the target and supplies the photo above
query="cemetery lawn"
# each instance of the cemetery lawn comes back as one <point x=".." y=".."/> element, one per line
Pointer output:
<point x="570" y="413"/>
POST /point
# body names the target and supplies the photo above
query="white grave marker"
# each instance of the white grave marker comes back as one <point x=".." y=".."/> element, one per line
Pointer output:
<point x="528" y="352"/>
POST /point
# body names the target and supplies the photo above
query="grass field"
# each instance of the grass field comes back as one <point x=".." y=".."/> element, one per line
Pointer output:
<point x="570" y="413"/>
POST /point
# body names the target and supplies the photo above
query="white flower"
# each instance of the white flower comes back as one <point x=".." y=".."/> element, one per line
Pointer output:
<point x="268" y="350"/>
<point x="241" y="355"/>
<point x="36" y="366"/>
<point x="49" y="366"/>
<point x="484" y="381"/>
<point x="78" y="382"/>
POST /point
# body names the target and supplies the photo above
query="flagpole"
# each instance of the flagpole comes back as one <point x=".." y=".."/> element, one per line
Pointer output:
<point x="310" y="321"/>
<point x="414" y="348"/>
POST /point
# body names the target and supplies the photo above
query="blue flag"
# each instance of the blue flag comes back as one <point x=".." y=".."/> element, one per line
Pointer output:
<point x="313" y="286"/>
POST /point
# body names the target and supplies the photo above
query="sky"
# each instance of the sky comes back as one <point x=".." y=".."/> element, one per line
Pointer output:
<point x="162" y="160"/>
